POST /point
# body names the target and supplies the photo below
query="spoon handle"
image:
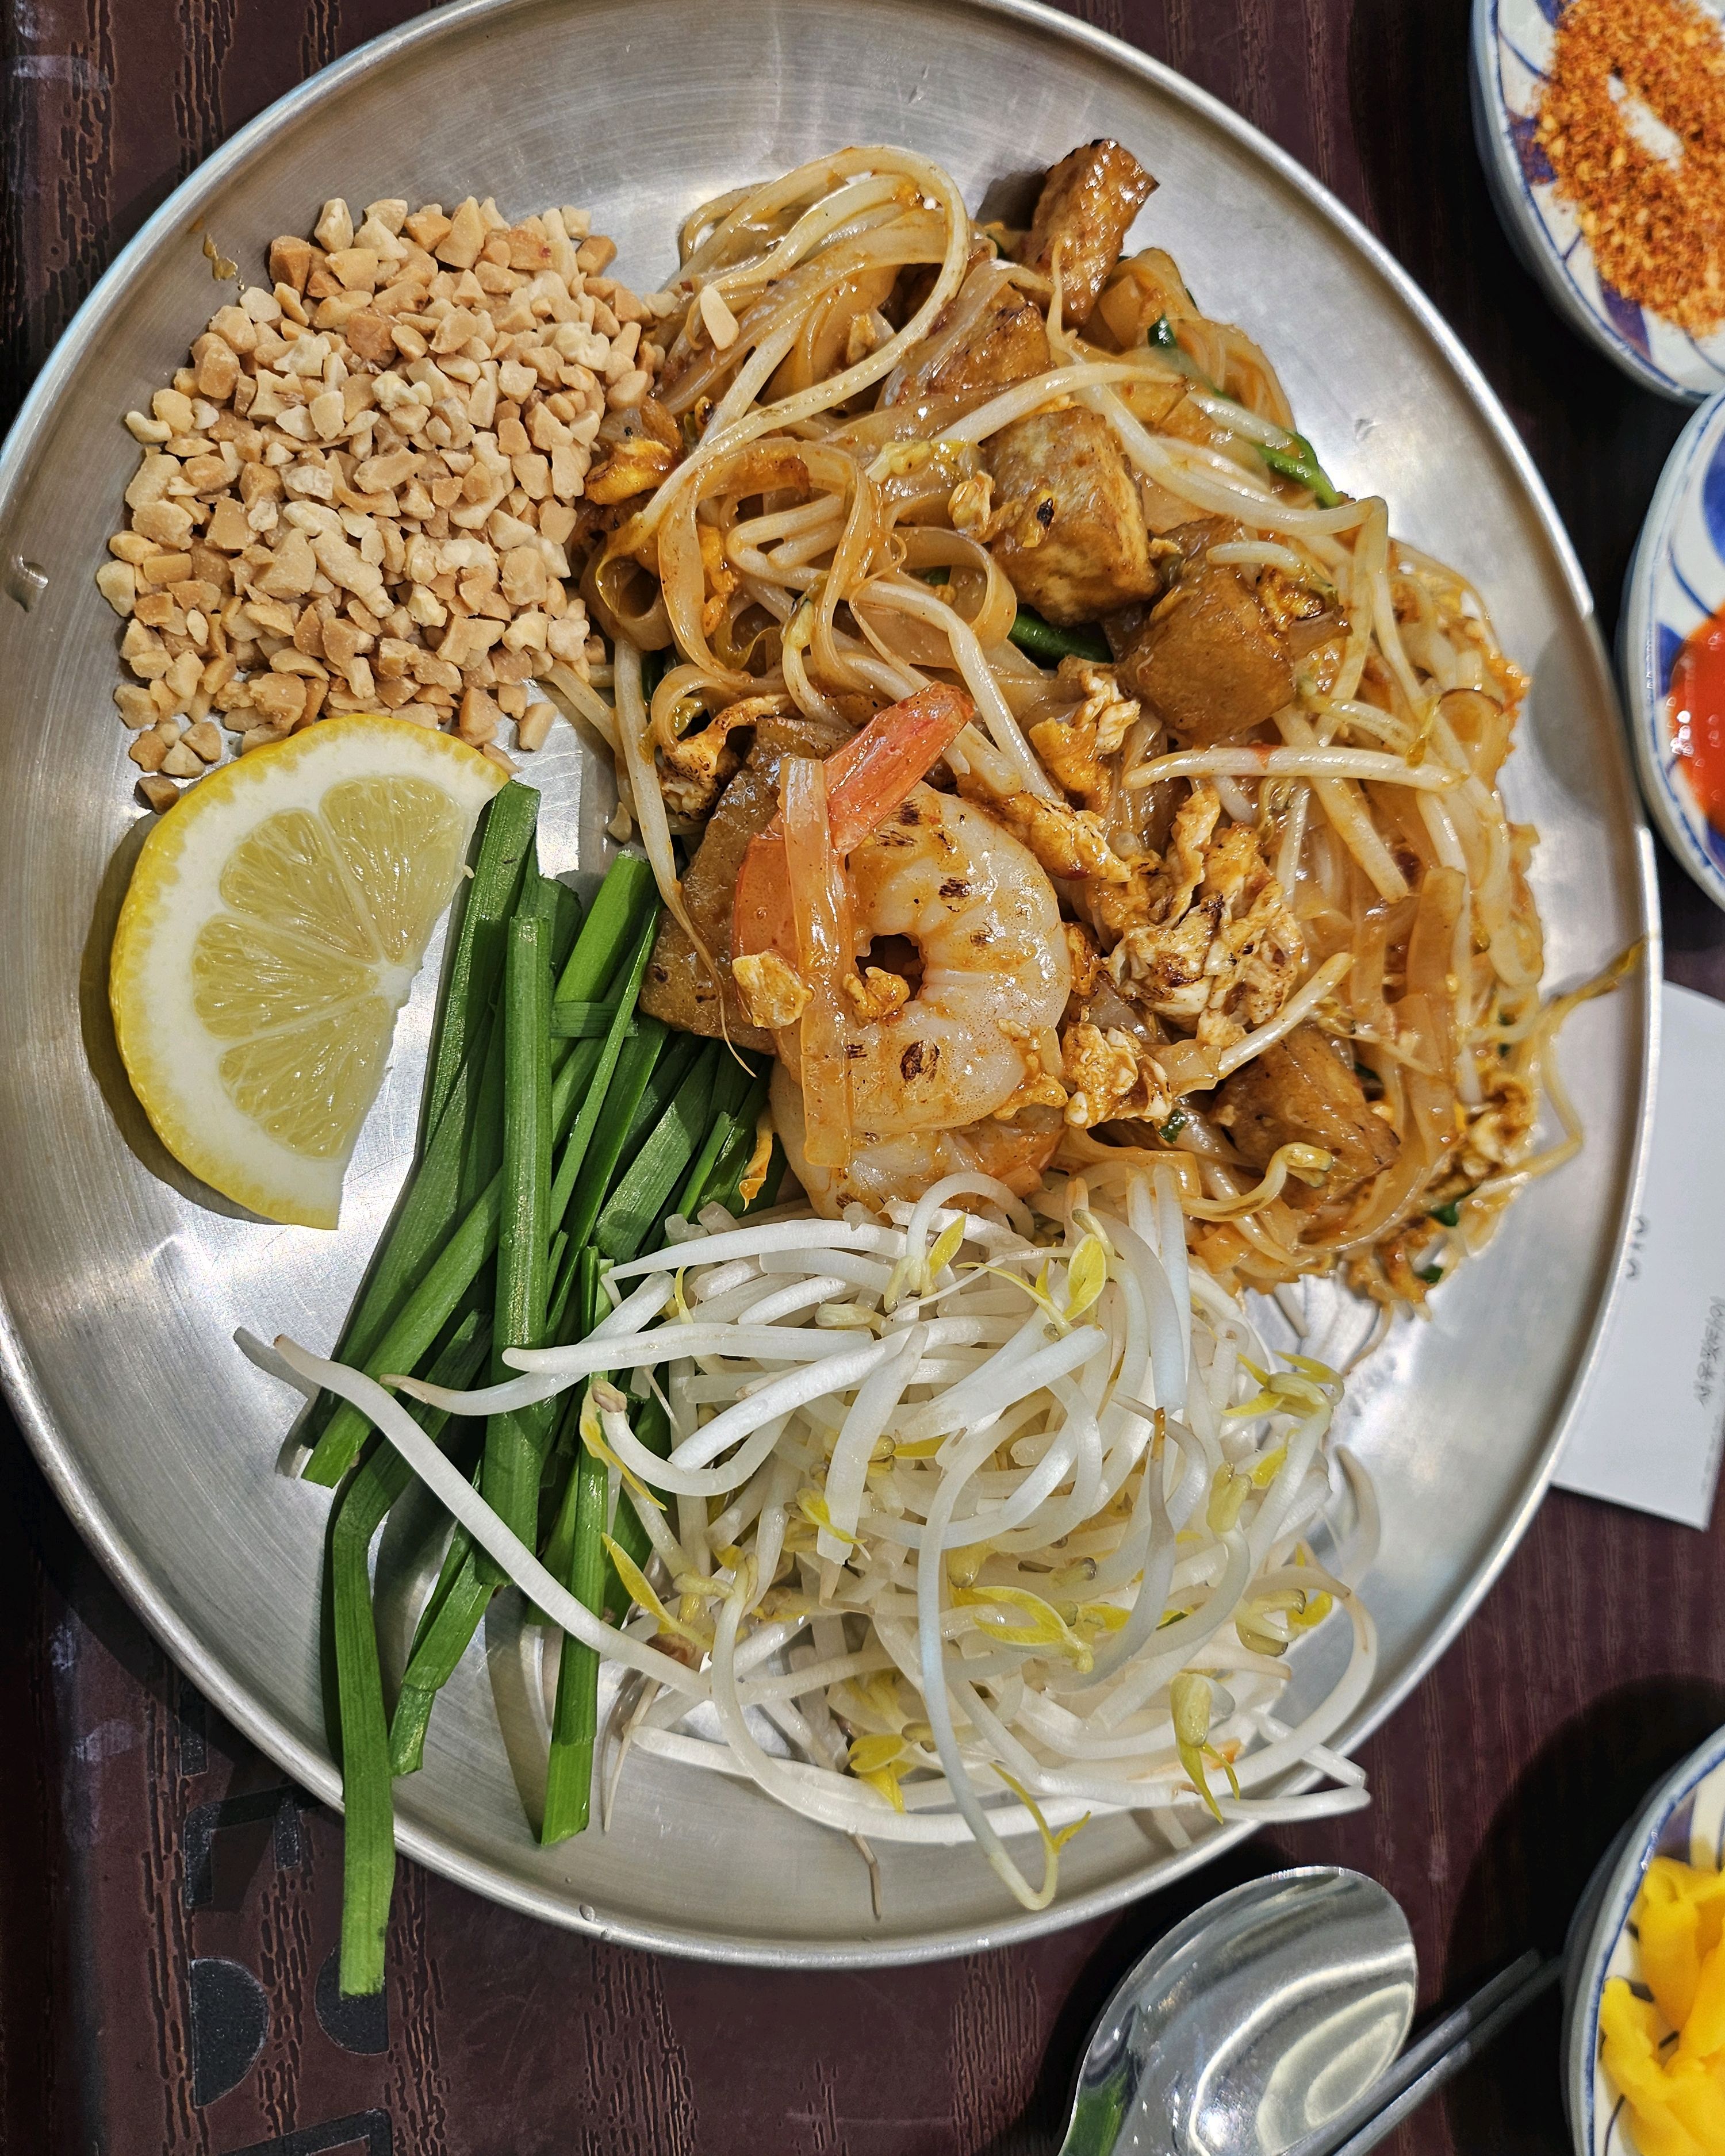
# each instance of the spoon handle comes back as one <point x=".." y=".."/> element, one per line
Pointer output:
<point x="1442" y="2051"/>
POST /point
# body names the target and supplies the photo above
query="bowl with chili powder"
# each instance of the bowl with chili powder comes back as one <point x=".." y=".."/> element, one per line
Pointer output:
<point x="1601" y="125"/>
<point x="1671" y="650"/>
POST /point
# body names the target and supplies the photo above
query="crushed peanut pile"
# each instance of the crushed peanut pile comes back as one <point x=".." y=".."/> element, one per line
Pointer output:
<point x="362" y="494"/>
<point x="1655" y="224"/>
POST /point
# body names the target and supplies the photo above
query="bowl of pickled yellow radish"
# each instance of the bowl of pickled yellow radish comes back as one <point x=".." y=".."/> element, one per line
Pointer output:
<point x="1644" y="2067"/>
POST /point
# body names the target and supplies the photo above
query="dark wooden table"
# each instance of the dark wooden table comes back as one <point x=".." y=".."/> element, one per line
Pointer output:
<point x="168" y="1905"/>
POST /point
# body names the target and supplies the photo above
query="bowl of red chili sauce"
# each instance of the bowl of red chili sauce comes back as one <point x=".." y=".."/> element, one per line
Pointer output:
<point x="1672" y="650"/>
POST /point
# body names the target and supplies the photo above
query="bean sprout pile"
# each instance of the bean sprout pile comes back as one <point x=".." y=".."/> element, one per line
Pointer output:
<point x="977" y="1521"/>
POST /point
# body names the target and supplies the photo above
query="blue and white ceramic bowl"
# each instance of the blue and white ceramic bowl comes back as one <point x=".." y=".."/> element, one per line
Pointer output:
<point x="1512" y="50"/>
<point x="1684" y="1819"/>
<point x="1676" y="580"/>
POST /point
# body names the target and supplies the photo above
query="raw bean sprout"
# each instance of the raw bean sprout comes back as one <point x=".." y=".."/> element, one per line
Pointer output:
<point x="986" y="1684"/>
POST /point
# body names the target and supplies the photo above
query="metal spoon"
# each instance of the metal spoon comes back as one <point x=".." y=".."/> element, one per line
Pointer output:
<point x="1268" y="2013"/>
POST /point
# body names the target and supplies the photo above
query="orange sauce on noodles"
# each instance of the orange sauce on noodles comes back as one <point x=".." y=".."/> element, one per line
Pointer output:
<point x="1697" y="716"/>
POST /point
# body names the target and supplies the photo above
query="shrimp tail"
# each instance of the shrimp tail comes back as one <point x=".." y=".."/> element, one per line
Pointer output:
<point x="874" y="771"/>
<point x="872" y="775"/>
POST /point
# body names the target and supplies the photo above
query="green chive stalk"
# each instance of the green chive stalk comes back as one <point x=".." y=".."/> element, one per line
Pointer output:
<point x="1049" y="645"/>
<point x="568" y="1774"/>
<point x="368" y="1849"/>
<point x="511" y="1476"/>
<point x="436" y="1196"/>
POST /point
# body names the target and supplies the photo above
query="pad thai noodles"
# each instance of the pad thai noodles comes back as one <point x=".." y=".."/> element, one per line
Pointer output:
<point x="1178" y="838"/>
<point x="1097" y="817"/>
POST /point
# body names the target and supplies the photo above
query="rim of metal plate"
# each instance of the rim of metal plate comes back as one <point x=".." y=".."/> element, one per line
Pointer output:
<point x="107" y="1535"/>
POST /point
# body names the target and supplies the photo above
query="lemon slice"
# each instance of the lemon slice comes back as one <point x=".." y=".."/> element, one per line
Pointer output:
<point x="276" y="917"/>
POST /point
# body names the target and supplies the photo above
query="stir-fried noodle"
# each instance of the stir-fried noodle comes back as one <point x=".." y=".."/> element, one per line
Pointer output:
<point x="1118" y="851"/>
<point x="830" y="535"/>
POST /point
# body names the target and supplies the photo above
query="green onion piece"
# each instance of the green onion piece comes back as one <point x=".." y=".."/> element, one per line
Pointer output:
<point x="693" y="1195"/>
<point x="728" y="1171"/>
<point x="1177" y="1123"/>
<point x="599" y="1071"/>
<point x="456" y="1553"/>
<point x="434" y="1659"/>
<point x="1300" y="464"/>
<point x="482" y="1149"/>
<point x="650" y="1176"/>
<point x="672" y="1065"/>
<point x="1048" y="645"/>
<point x="426" y="1312"/>
<point x="476" y="965"/>
<point x="1162" y="335"/>
<point x="484" y="1157"/>
<point x="1449" y="1214"/>
<point x="368" y="1848"/>
<point x="610" y="930"/>
<point x="566" y="918"/>
<point x="573" y="1021"/>
<point x="437" y="1194"/>
<point x="438" y="1295"/>
<point x="612" y="1122"/>
<point x="569" y="1769"/>
<point x="1431" y="1275"/>
<point x="738" y="1078"/>
<point x="940" y="575"/>
<point x="510" y="1482"/>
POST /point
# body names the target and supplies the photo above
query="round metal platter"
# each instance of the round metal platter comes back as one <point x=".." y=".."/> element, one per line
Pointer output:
<point x="123" y="1283"/>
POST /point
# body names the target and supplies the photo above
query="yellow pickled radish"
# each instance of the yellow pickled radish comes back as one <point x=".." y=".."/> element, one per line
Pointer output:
<point x="276" y="917"/>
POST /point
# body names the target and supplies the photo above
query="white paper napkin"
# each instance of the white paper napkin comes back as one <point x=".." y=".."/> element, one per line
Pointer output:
<point x="1649" y="1425"/>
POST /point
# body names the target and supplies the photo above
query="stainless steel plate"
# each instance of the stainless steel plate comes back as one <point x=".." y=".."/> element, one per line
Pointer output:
<point x="122" y="1286"/>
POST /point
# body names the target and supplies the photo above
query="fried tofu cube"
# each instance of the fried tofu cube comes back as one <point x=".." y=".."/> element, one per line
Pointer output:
<point x="1302" y="1093"/>
<point x="990" y="336"/>
<point x="1072" y="541"/>
<point x="1087" y="207"/>
<point x="1208" y="662"/>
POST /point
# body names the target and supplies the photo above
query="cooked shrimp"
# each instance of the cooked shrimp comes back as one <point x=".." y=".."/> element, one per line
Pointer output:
<point x="905" y="1166"/>
<point x="930" y="1073"/>
<point x="862" y="850"/>
<point x="996" y="972"/>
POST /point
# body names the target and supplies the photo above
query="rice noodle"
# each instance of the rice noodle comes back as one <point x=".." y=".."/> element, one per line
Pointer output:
<point x="830" y="535"/>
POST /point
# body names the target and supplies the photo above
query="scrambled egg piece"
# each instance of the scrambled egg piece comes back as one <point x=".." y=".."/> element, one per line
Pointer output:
<point x="1497" y="1132"/>
<point x="695" y="767"/>
<point x="774" y="994"/>
<point x="1039" y="1087"/>
<point x="1675" y="2093"/>
<point x="1070" y="843"/>
<point x="1111" y="1073"/>
<point x="1207" y="939"/>
<point x="876" y="993"/>
<point x="1073" y="748"/>
<point x="721" y="580"/>
<point x="635" y="467"/>
<point x="1086" y="960"/>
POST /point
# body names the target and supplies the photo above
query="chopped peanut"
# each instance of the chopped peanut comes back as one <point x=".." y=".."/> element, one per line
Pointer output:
<point x="358" y="494"/>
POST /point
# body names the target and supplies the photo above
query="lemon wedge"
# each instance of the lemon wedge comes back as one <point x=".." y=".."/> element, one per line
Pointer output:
<point x="276" y="917"/>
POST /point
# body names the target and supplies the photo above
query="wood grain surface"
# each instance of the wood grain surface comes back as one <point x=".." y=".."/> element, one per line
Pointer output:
<point x="168" y="1905"/>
